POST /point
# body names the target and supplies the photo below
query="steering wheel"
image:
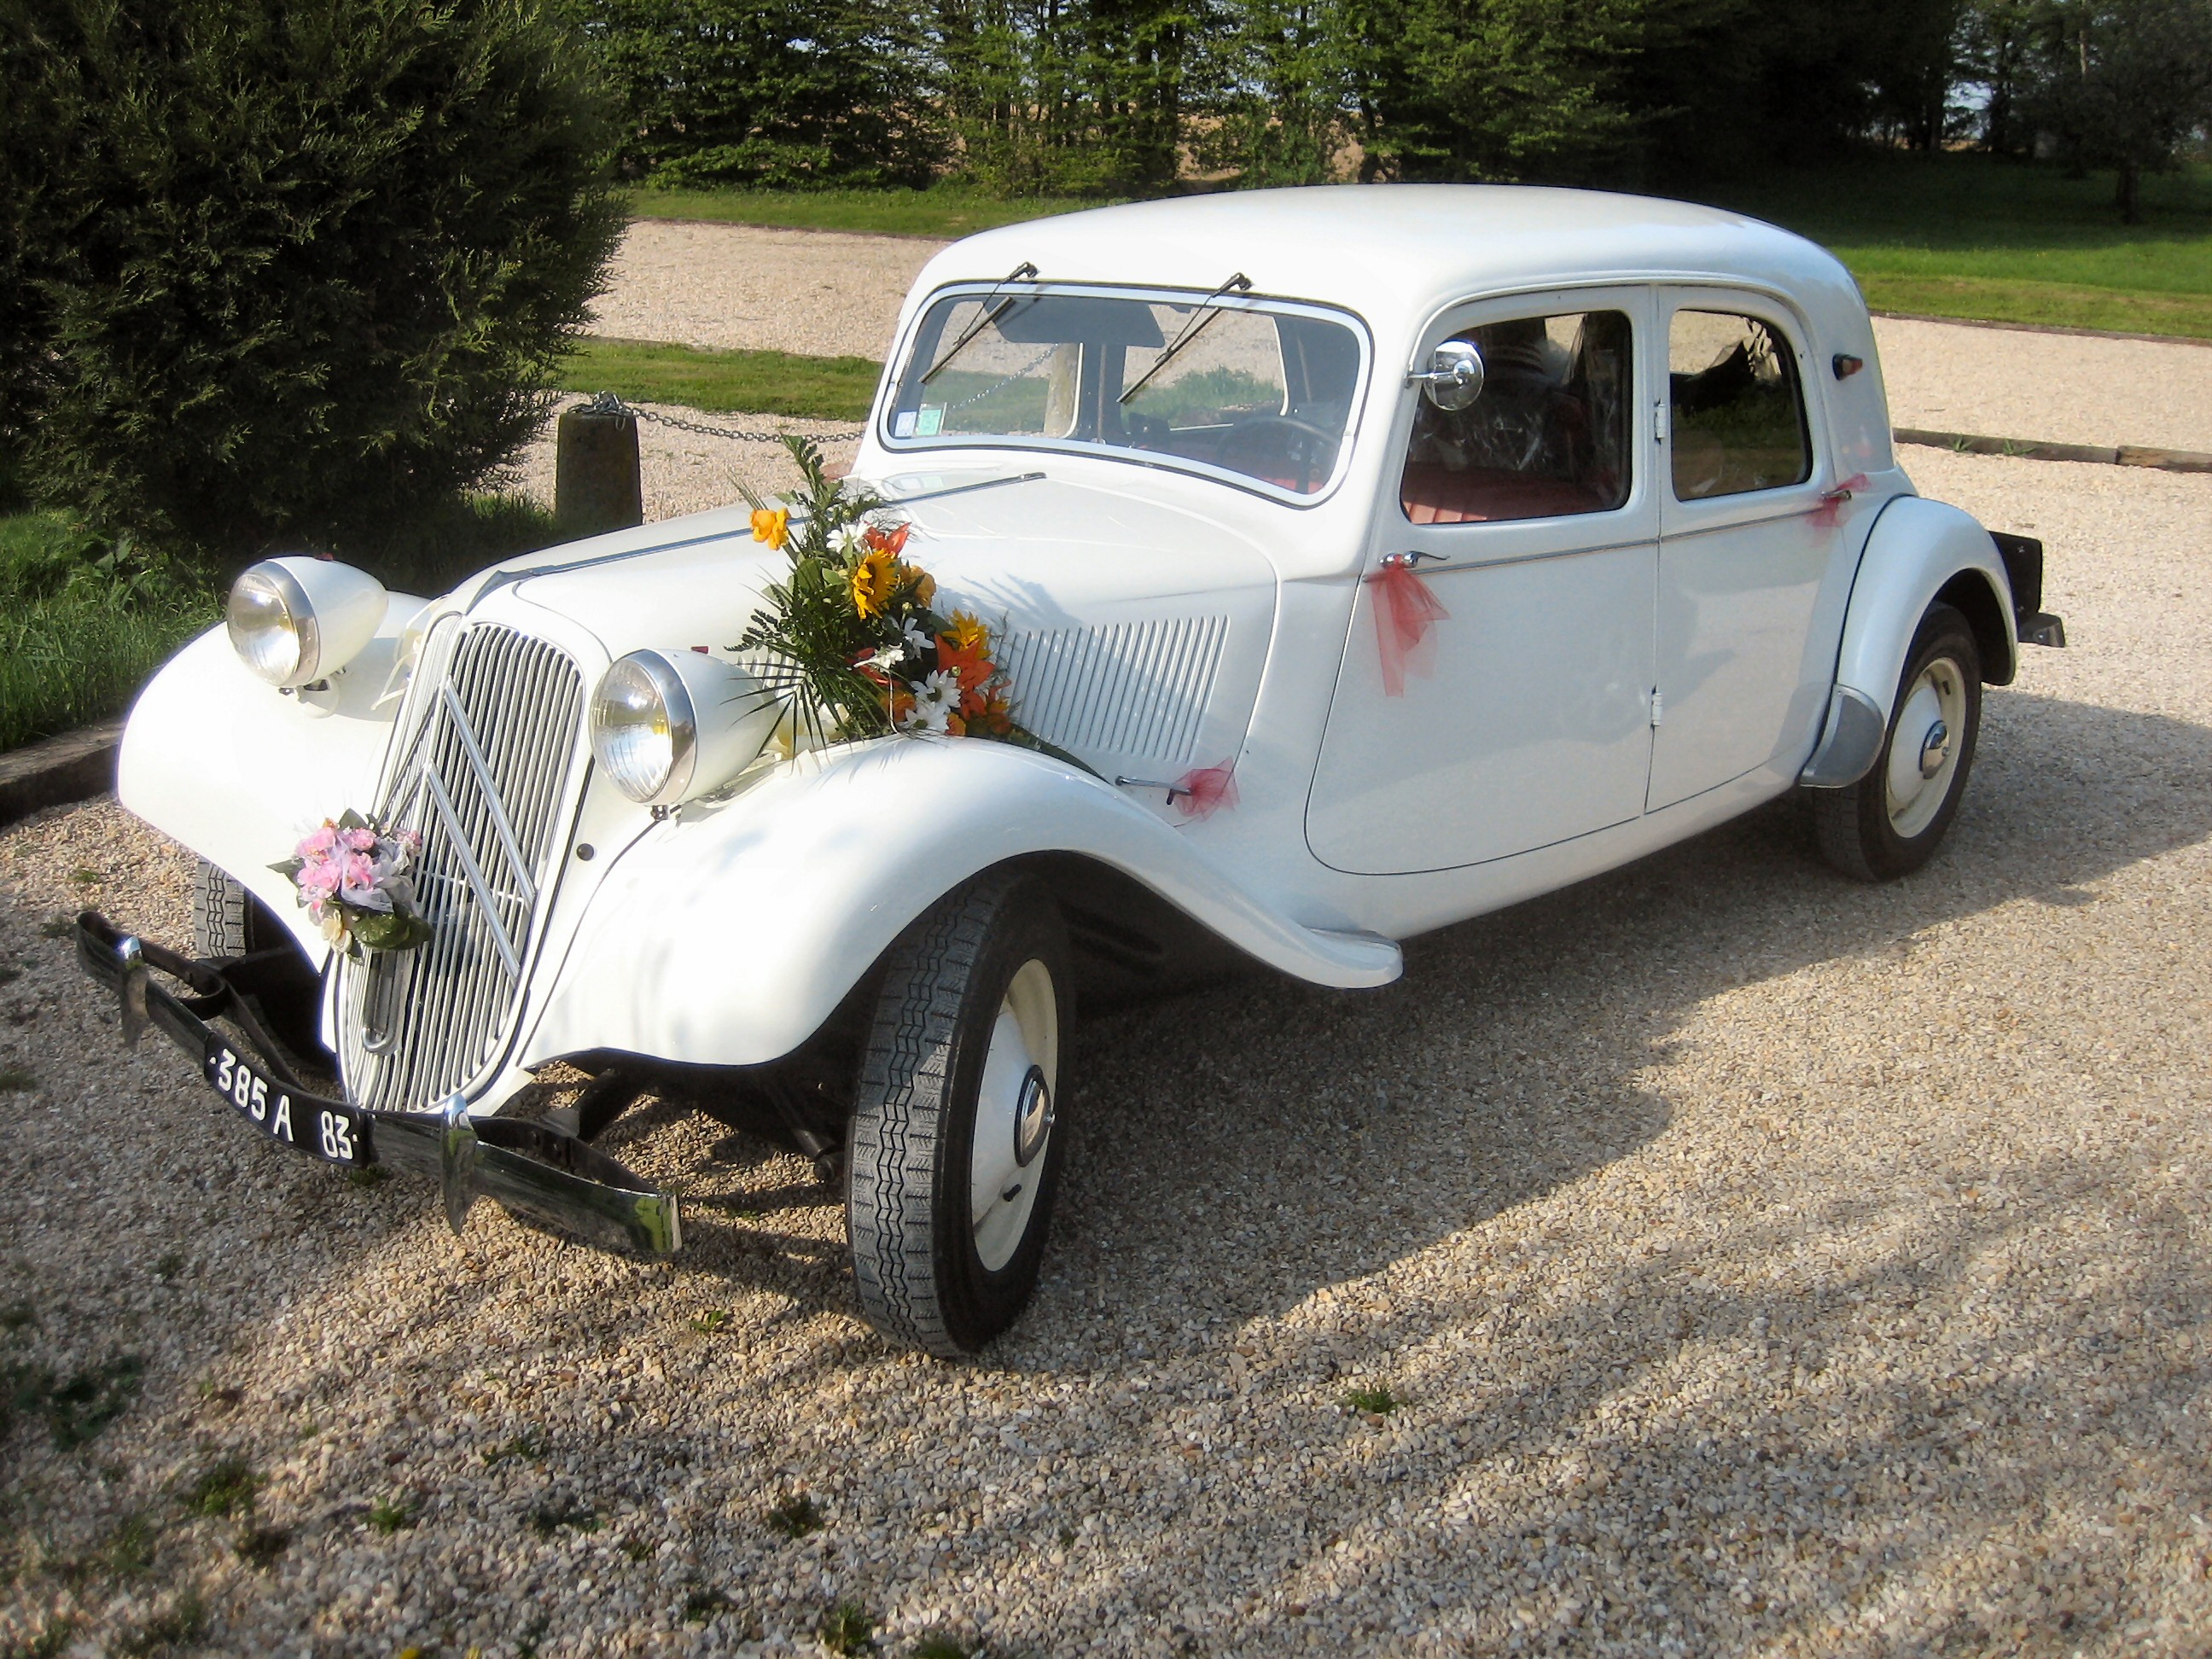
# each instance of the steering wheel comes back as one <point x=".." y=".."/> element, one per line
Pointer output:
<point x="1279" y="448"/>
<point x="1145" y="431"/>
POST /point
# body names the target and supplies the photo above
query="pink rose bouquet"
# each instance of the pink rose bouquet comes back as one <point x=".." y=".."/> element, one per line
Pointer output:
<point x="352" y="877"/>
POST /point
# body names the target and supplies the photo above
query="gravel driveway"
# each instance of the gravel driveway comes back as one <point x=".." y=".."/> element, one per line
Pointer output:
<point x="1766" y="1265"/>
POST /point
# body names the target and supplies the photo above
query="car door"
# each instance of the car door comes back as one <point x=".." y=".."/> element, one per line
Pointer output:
<point x="1535" y="516"/>
<point x="1747" y="537"/>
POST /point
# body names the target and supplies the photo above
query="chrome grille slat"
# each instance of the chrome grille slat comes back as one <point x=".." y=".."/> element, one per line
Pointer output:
<point x="489" y="759"/>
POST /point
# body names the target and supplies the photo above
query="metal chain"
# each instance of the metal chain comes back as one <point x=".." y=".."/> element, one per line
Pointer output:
<point x="1028" y="367"/>
<point x="608" y="404"/>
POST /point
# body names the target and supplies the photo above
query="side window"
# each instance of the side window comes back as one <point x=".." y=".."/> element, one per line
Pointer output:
<point x="1548" y="437"/>
<point x="1738" y="414"/>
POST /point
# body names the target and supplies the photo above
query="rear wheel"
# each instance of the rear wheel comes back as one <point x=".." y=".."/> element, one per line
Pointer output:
<point x="1890" y="821"/>
<point x="953" y="1157"/>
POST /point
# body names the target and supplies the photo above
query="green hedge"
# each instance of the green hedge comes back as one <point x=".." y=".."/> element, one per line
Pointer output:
<point x="285" y="273"/>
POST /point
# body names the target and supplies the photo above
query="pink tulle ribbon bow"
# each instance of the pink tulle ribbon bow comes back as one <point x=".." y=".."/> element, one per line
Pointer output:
<point x="1404" y="613"/>
<point x="1830" y="512"/>
<point x="1200" y="794"/>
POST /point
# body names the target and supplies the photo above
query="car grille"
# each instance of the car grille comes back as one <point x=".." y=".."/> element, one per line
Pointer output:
<point x="487" y="761"/>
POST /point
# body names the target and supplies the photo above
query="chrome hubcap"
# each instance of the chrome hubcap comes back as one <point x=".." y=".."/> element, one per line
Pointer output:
<point x="1934" y="749"/>
<point x="1032" y="1118"/>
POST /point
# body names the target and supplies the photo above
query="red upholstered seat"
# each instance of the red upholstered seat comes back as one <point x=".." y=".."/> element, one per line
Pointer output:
<point x="1434" y="494"/>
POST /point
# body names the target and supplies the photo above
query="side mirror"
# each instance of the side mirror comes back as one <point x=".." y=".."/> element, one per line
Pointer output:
<point x="1454" y="377"/>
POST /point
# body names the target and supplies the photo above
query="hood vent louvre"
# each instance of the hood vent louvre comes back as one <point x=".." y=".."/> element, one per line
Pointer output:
<point x="1133" y="691"/>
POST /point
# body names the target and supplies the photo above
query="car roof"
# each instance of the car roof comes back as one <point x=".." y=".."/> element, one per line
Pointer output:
<point x="1396" y="252"/>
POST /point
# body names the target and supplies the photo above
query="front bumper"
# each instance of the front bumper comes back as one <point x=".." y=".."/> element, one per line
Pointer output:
<point x="538" y="1173"/>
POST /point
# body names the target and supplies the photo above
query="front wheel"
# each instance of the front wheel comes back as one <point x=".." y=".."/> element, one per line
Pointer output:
<point x="953" y="1159"/>
<point x="1891" y="821"/>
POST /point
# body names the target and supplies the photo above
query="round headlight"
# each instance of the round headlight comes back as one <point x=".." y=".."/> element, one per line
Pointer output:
<point x="643" y="730"/>
<point x="294" y="620"/>
<point x="272" y="626"/>
<point x="650" y="734"/>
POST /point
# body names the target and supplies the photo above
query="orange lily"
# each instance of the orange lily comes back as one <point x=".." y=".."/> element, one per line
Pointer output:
<point x="973" y="669"/>
<point x="771" y="524"/>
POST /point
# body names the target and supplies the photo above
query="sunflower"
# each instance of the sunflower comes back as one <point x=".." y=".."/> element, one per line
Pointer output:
<point x="876" y="581"/>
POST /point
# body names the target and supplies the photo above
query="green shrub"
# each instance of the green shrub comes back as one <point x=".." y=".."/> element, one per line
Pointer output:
<point x="287" y="272"/>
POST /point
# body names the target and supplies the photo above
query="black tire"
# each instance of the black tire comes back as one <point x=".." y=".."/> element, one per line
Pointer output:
<point x="227" y="920"/>
<point x="916" y="1264"/>
<point x="1858" y="825"/>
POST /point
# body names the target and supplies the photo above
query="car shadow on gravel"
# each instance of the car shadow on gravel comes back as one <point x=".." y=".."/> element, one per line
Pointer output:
<point x="1885" y="1408"/>
<point x="1241" y="1147"/>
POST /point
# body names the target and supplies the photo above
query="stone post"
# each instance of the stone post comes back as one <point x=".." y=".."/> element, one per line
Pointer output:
<point x="595" y="472"/>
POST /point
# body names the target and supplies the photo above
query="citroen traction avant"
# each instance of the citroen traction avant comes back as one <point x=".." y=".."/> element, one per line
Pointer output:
<point x="1367" y="558"/>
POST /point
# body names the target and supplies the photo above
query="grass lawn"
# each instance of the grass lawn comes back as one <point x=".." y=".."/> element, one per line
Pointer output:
<point x="1967" y="236"/>
<point x="73" y="651"/>
<point x="946" y="210"/>
<point x="749" y="382"/>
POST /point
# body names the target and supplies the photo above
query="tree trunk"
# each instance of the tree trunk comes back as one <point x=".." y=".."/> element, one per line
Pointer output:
<point x="2129" y="194"/>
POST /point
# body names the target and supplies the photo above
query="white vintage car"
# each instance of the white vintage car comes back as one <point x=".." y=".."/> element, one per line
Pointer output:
<point x="1366" y="559"/>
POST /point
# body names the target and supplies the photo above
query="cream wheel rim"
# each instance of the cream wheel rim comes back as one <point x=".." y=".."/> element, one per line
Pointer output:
<point x="1924" y="745"/>
<point x="1015" y="1106"/>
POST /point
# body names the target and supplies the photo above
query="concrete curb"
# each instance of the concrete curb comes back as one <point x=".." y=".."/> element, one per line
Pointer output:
<point x="2046" y="328"/>
<point x="2030" y="449"/>
<point x="75" y="766"/>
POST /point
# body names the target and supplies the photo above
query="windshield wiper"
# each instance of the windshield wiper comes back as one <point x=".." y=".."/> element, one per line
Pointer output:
<point x="1240" y="283"/>
<point x="991" y="314"/>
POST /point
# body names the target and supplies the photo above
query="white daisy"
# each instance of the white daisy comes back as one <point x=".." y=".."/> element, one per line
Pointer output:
<point x="935" y="696"/>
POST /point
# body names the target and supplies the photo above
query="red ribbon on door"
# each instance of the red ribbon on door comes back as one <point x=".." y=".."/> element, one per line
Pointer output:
<point x="1830" y="512"/>
<point x="1200" y="794"/>
<point x="1405" y="612"/>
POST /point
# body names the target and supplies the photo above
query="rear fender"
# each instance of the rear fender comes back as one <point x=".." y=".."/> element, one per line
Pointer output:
<point x="1919" y="551"/>
<point x="726" y="934"/>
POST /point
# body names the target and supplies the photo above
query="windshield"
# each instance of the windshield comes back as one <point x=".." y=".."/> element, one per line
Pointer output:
<point x="1264" y="390"/>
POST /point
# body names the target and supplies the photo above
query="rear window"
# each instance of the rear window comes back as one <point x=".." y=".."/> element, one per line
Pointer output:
<point x="1738" y="414"/>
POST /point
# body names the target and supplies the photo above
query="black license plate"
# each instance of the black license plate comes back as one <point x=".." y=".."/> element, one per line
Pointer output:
<point x="328" y="1129"/>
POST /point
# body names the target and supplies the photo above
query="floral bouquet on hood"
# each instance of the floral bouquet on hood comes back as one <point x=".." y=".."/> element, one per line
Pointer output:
<point x="352" y="877"/>
<point x="852" y="641"/>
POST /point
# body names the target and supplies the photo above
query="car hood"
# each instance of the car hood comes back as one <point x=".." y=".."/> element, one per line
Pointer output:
<point x="1133" y="631"/>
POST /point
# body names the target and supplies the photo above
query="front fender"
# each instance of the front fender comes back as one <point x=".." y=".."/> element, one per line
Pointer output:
<point x="726" y="934"/>
<point x="236" y="770"/>
<point x="1916" y="549"/>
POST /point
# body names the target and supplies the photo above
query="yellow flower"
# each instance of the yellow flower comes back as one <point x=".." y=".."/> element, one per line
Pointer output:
<point x="875" y="580"/>
<point x="772" y="525"/>
<point x="925" y="585"/>
<point x="969" y="635"/>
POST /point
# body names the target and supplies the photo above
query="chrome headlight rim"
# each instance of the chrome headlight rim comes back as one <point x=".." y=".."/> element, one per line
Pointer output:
<point x="297" y="612"/>
<point x="673" y="701"/>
